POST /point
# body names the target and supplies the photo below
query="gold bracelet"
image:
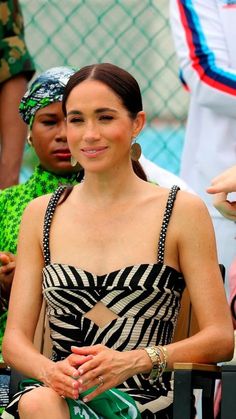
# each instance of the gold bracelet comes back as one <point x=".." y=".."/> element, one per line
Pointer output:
<point x="156" y="362"/>
<point x="163" y="354"/>
<point x="159" y="358"/>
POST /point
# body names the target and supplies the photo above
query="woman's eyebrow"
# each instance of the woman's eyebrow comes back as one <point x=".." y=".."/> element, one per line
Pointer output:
<point x="47" y="114"/>
<point x="105" y="110"/>
<point x="99" y="110"/>
<point x="74" y="112"/>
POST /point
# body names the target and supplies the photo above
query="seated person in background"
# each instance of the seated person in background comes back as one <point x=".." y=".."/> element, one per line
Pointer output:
<point x="111" y="256"/>
<point x="41" y="109"/>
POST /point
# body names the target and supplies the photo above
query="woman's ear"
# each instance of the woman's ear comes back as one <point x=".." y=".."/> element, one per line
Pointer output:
<point x="139" y="123"/>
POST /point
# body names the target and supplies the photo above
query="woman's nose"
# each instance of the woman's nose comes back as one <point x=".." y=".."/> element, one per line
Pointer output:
<point x="61" y="133"/>
<point x="91" y="132"/>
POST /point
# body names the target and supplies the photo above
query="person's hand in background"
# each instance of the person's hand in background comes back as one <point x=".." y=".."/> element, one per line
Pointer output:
<point x="221" y="186"/>
<point x="7" y="269"/>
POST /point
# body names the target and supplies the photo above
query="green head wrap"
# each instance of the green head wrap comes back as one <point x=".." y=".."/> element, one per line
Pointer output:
<point x="46" y="89"/>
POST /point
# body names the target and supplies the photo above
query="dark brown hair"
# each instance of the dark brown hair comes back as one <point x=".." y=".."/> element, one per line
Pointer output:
<point x="122" y="83"/>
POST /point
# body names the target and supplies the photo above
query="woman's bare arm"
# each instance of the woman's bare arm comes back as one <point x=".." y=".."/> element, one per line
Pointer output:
<point x="24" y="309"/>
<point x="26" y="296"/>
<point x="199" y="264"/>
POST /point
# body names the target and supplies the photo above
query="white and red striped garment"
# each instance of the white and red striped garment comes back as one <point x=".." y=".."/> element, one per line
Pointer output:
<point x="204" y="34"/>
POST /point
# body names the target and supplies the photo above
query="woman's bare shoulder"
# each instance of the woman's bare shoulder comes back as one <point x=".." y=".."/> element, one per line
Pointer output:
<point x="35" y="209"/>
<point x="188" y="201"/>
<point x="183" y="197"/>
<point x="191" y="214"/>
<point x="33" y="218"/>
<point x="186" y="205"/>
<point x="40" y="203"/>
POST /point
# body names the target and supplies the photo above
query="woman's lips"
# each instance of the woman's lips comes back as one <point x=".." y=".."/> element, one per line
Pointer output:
<point x="62" y="154"/>
<point x="93" y="152"/>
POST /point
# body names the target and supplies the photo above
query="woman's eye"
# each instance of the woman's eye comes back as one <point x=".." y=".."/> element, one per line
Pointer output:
<point x="106" y="117"/>
<point x="49" y="122"/>
<point x="75" y="120"/>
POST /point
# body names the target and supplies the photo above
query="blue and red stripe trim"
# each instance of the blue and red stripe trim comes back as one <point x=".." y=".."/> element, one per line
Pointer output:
<point x="202" y="57"/>
<point x="181" y="77"/>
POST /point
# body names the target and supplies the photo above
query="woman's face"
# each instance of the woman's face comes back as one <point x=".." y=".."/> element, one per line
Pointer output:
<point x="49" y="139"/>
<point x="99" y="127"/>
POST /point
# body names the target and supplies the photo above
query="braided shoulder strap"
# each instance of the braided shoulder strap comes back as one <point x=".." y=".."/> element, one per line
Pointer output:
<point x="166" y="218"/>
<point x="48" y="220"/>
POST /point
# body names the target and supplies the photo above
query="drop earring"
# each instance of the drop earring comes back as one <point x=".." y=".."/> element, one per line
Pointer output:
<point x="29" y="140"/>
<point x="135" y="151"/>
<point x="73" y="161"/>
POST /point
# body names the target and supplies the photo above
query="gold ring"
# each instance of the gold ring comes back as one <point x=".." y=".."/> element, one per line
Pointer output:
<point x="101" y="380"/>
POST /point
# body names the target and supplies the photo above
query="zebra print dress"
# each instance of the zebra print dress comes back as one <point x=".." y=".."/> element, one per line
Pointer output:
<point x="145" y="298"/>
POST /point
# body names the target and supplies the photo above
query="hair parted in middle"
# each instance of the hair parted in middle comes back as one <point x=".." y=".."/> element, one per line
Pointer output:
<point x="117" y="79"/>
<point x="121" y="82"/>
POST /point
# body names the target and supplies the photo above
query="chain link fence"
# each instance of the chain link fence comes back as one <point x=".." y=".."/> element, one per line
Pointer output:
<point x="133" y="34"/>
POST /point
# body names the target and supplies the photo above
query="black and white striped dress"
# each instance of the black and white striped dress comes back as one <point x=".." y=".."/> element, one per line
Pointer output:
<point x="145" y="298"/>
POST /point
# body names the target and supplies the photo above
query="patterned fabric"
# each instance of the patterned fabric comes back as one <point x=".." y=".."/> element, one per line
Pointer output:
<point x="146" y="299"/>
<point x="13" y="201"/>
<point x="46" y="89"/>
<point x="14" y="56"/>
<point x="111" y="404"/>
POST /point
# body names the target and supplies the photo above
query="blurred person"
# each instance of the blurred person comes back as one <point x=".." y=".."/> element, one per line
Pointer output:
<point x="204" y="34"/>
<point x="16" y="70"/>
<point x="111" y="256"/>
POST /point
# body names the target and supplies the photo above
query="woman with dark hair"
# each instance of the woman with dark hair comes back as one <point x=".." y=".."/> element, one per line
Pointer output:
<point x="128" y="91"/>
<point x="112" y="256"/>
